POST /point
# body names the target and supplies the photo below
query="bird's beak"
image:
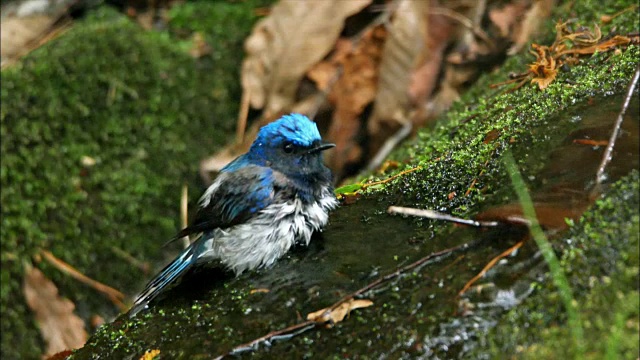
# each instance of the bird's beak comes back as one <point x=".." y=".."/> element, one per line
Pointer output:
<point x="321" y="147"/>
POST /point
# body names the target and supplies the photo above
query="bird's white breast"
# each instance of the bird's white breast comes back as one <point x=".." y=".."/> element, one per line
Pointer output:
<point x="270" y="234"/>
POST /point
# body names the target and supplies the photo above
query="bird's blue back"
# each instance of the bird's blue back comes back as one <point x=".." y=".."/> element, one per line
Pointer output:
<point x="277" y="185"/>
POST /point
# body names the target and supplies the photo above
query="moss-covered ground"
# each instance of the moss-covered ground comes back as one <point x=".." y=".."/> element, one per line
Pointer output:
<point x="138" y="104"/>
<point x="601" y="260"/>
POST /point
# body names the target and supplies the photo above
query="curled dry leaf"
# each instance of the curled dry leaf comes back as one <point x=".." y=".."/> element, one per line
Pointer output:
<point x="338" y="314"/>
<point x="285" y="44"/>
<point x="59" y="326"/>
<point x="544" y="69"/>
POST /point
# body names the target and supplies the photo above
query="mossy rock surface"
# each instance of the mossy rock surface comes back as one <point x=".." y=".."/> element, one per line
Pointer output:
<point x="601" y="263"/>
<point x="101" y="127"/>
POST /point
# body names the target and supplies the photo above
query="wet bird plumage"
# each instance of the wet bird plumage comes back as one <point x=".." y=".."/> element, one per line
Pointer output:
<point x="260" y="205"/>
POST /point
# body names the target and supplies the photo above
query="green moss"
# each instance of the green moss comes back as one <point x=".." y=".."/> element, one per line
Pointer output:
<point x="224" y="26"/>
<point x="454" y="155"/>
<point x="146" y="112"/>
<point x="602" y="265"/>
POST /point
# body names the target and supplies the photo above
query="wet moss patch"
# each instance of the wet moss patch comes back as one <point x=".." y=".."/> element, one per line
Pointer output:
<point x="100" y="129"/>
<point x="601" y="261"/>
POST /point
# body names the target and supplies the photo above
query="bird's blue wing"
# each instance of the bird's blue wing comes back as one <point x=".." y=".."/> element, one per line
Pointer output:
<point x="235" y="196"/>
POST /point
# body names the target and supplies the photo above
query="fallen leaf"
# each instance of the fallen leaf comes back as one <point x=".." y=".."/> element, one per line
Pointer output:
<point x="60" y="328"/>
<point x="550" y="216"/>
<point x="544" y="68"/>
<point x="405" y="47"/>
<point x="150" y="354"/>
<point x="351" y="94"/>
<point x="17" y="33"/>
<point x="424" y="78"/>
<point x="533" y="20"/>
<point x="97" y="321"/>
<point x="591" y="142"/>
<point x="284" y="45"/>
<point x="508" y="17"/>
<point x="324" y="72"/>
<point x="259" y="290"/>
<point x="339" y="313"/>
<point x="605" y="45"/>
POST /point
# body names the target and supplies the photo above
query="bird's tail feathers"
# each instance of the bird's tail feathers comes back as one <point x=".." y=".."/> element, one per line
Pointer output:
<point x="168" y="277"/>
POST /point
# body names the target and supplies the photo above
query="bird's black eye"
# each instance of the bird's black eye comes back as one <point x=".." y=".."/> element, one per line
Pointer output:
<point x="288" y="147"/>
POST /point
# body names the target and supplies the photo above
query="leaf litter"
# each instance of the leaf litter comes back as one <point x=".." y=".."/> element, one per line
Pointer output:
<point x="371" y="74"/>
<point x="60" y="327"/>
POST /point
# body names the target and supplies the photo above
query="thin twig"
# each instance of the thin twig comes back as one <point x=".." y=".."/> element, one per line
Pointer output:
<point x="61" y="24"/>
<point x="390" y="144"/>
<point x="242" y="116"/>
<point x="252" y="345"/>
<point x="606" y="158"/>
<point x="466" y="22"/>
<point x="114" y="295"/>
<point x="489" y="265"/>
<point x="309" y="324"/>
<point x="397" y="273"/>
<point x="184" y="217"/>
<point x="404" y="172"/>
<point x="144" y="266"/>
<point x="434" y="215"/>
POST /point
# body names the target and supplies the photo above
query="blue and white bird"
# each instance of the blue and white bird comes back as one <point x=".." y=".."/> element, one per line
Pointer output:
<point x="260" y="205"/>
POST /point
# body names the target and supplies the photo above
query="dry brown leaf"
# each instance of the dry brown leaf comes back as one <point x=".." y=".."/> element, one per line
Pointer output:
<point x="60" y="328"/>
<point x="62" y="355"/>
<point x="324" y="72"/>
<point x="531" y="24"/>
<point x="544" y="69"/>
<point x="284" y="45"/>
<point x="507" y="17"/>
<point x="339" y="313"/>
<point x="566" y="51"/>
<point x="606" y="45"/>
<point x="581" y="38"/>
<point x="550" y="215"/>
<point x="350" y="95"/>
<point x="424" y="78"/>
<point x="259" y="290"/>
<point x="403" y="49"/>
<point x="150" y="354"/>
<point x="16" y="33"/>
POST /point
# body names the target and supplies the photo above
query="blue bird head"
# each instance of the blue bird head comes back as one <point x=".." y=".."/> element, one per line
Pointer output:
<point x="291" y="145"/>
